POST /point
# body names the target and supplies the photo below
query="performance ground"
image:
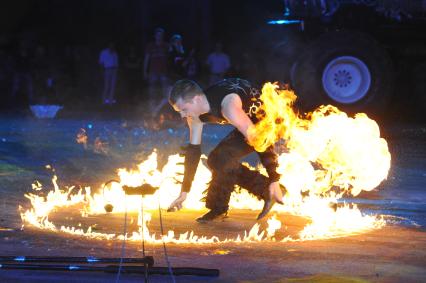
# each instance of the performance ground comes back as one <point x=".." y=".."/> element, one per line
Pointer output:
<point x="395" y="253"/>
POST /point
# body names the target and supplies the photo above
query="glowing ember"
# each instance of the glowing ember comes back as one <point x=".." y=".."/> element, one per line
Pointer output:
<point x="100" y="146"/>
<point x="328" y="155"/>
<point x="82" y="137"/>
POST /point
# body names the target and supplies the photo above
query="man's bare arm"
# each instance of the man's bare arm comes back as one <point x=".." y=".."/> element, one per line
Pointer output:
<point x="232" y="110"/>
<point x="195" y="130"/>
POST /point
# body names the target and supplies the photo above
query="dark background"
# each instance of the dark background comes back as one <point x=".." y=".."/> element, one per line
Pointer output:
<point x="98" y="21"/>
<point x="240" y="25"/>
<point x="88" y="26"/>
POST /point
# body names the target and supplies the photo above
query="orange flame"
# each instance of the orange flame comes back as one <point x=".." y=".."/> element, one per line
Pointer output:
<point x="276" y="117"/>
<point x="330" y="148"/>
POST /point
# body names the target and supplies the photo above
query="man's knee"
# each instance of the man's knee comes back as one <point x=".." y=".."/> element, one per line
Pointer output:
<point x="222" y="161"/>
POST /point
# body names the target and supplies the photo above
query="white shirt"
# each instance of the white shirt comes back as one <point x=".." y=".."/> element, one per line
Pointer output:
<point x="108" y="58"/>
<point x="218" y="62"/>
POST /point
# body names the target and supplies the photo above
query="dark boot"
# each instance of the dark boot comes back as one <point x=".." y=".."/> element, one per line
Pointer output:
<point x="212" y="215"/>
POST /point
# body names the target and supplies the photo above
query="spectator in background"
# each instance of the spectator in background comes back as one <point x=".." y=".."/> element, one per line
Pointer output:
<point x="177" y="57"/>
<point x="132" y="69"/>
<point x="155" y="69"/>
<point x="23" y="75"/>
<point x="218" y="63"/>
<point x="191" y="65"/>
<point x="108" y="59"/>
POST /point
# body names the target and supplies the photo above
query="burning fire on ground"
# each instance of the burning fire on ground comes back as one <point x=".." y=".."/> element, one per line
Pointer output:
<point x="325" y="157"/>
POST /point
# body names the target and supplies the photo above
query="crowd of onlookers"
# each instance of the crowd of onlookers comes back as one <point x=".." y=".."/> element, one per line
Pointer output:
<point x="46" y="74"/>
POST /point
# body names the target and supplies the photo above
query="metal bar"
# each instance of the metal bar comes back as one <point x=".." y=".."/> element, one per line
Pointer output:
<point x="114" y="268"/>
<point x="146" y="260"/>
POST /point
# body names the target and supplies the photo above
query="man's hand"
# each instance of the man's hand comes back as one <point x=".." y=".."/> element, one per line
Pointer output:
<point x="177" y="203"/>
<point x="275" y="195"/>
<point x="275" y="192"/>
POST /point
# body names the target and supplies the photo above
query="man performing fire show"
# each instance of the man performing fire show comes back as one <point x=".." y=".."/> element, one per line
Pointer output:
<point x="239" y="141"/>
<point x="231" y="101"/>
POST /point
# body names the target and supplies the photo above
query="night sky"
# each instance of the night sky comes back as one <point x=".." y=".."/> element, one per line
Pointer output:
<point x="97" y="21"/>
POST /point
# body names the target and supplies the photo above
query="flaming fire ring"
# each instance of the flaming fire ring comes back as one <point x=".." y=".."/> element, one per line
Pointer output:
<point x="327" y="156"/>
<point x="330" y="221"/>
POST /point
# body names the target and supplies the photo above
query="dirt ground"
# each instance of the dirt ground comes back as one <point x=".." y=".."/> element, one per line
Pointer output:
<point x="392" y="254"/>
<point x="396" y="253"/>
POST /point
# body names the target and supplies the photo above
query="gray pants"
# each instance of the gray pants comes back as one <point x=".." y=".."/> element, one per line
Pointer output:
<point x="110" y="78"/>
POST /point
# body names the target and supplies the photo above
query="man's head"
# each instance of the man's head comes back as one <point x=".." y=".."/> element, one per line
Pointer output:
<point x="176" y="39"/>
<point x="188" y="99"/>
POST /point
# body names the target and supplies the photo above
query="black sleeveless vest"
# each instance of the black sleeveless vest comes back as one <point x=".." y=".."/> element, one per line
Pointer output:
<point x="250" y="97"/>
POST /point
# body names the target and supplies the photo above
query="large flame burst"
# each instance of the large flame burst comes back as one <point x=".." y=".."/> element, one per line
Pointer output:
<point x="326" y="155"/>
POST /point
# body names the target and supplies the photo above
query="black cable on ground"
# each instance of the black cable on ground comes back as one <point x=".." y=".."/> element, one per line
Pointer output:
<point x="164" y="243"/>
<point x="143" y="231"/>
<point x="143" y="241"/>
<point x="123" y="245"/>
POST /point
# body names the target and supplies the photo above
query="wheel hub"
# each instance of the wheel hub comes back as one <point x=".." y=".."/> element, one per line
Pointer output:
<point x="346" y="79"/>
<point x="342" y="78"/>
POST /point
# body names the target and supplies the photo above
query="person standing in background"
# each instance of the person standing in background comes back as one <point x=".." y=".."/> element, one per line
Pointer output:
<point x="177" y="58"/>
<point x="218" y="63"/>
<point x="155" y="69"/>
<point x="191" y="65"/>
<point x="108" y="60"/>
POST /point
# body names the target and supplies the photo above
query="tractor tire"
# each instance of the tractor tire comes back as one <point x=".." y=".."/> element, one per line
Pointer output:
<point x="347" y="69"/>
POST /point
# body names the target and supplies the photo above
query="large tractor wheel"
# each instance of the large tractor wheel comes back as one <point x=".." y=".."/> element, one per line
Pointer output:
<point x="347" y="69"/>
